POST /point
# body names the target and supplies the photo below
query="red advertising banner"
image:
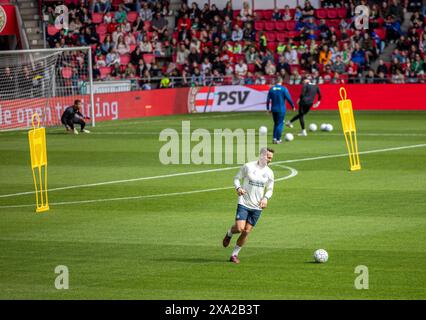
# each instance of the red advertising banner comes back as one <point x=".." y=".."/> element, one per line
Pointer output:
<point x="8" y="23"/>
<point x="364" y="97"/>
<point x="113" y="106"/>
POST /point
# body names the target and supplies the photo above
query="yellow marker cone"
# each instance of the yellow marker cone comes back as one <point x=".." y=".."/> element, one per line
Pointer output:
<point x="37" y="141"/>
<point x="349" y="130"/>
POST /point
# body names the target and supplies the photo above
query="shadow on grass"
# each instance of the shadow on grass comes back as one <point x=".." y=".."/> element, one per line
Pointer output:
<point x="192" y="260"/>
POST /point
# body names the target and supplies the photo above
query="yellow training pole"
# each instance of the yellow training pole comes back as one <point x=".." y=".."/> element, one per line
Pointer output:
<point x="349" y="130"/>
<point x="37" y="141"/>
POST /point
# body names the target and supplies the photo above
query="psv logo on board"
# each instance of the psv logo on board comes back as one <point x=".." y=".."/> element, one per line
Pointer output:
<point x="3" y="18"/>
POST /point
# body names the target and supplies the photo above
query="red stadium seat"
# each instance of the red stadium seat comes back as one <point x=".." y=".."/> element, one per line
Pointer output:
<point x="132" y="47"/>
<point x="270" y="36"/>
<point x="101" y="29"/>
<point x="104" y="71"/>
<point x="280" y="25"/>
<point x="269" y="25"/>
<point x="148" y="57"/>
<point x="267" y="14"/>
<point x="102" y="37"/>
<point x="272" y="46"/>
<point x="251" y="67"/>
<point x="132" y="16"/>
<point x="66" y="72"/>
<point x="124" y="59"/>
<point x="321" y="14"/>
<point x="235" y="14"/>
<point x="332" y="13"/>
<point x="293" y="34"/>
<point x="281" y="37"/>
<point x="115" y="3"/>
<point x="290" y="25"/>
<point x="97" y="17"/>
<point x="295" y="67"/>
<point x="259" y="25"/>
<point x="342" y="13"/>
<point x="147" y="26"/>
<point x="259" y="14"/>
<point x="51" y="30"/>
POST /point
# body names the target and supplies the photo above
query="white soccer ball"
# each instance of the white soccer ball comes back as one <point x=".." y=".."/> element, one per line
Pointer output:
<point x="263" y="130"/>
<point x="289" y="137"/>
<point x="320" y="256"/>
<point x="313" y="127"/>
<point x="323" y="127"/>
<point x="329" y="127"/>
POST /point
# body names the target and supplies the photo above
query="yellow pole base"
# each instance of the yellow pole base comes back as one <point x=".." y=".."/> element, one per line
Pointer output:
<point x="42" y="209"/>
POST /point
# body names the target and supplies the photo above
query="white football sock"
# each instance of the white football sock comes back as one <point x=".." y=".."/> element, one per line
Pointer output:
<point x="229" y="233"/>
<point x="236" y="250"/>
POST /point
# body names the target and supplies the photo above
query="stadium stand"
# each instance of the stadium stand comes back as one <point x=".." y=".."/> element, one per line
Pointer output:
<point x="303" y="35"/>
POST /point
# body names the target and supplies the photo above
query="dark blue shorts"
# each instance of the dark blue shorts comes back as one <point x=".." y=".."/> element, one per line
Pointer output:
<point x="251" y="215"/>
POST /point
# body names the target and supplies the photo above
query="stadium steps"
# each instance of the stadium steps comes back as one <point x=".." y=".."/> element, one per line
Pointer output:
<point x="32" y="22"/>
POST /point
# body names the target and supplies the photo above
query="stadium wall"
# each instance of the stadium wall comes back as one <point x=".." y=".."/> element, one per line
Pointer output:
<point x="136" y="104"/>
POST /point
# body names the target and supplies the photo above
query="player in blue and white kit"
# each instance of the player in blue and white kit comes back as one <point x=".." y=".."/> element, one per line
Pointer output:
<point x="253" y="195"/>
<point x="278" y="95"/>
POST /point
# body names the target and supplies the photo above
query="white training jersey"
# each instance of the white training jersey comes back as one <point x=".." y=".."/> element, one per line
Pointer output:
<point x="257" y="181"/>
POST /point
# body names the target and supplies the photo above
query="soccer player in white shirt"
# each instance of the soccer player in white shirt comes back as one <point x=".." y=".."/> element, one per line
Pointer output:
<point x="253" y="196"/>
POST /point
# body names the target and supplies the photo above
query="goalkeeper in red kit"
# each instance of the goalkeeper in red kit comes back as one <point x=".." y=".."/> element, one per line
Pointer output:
<point x="72" y="115"/>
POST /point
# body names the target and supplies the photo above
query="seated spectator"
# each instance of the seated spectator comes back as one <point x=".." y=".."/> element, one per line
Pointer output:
<point x="241" y="69"/>
<point x="382" y="67"/>
<point x="237" y="33"/>
<point x="338" y="65"/>
<point x="412" y="77"/>
<point x="381" y="79"/>
<point x="228" y="11"/>
<point x="117" y="34"/>
<point x="325" y="55"/>
<point x="101" y="6"/>
<point x="295" y="77"/>
<point x="395" y="66"/>
<point x="159" y="23"/>
<point x="130" y="71"/>
<point x="398" y="77"/>
<point x="270" y="68"/>
<point x="249" y="34"/>
<point x="146" y="13"/>
<point x="308" y="10"/>
<point x="327" y="74"/>
<point x="337" y="79"/>
<point x="251" y="55"/>
<point x="287" y="13"/>
<point x="246" y="13"/>
<point x="276" y="15"/>
<point x="283" y="65"/>
<point x="112" y="58"/>
<point x="145" y="46"/>
<point x="418" y="65"/>
<point x="136" y="56"/>
<point x="120" y="15"/>
<point x="100" y="61"/>
<point x="370" y="77"/>
<point x="358" y="55"/>
<point x="182" y="55"/>
<point x="393" y="29"/>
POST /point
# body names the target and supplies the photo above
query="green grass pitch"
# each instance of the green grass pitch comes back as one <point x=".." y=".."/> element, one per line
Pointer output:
<point x="170" y="247"/>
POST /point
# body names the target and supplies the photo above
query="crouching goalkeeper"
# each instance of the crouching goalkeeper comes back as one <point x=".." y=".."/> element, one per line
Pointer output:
<point x="72" y="115"/>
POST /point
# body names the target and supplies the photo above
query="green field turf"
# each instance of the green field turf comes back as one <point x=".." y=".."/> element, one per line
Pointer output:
<point x="170" y="247"/>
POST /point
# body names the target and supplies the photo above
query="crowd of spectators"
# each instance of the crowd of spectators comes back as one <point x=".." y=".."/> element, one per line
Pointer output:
<point x="146" y="40"/>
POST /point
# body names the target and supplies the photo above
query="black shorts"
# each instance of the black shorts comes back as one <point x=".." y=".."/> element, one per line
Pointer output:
<point x="305" y="107"/>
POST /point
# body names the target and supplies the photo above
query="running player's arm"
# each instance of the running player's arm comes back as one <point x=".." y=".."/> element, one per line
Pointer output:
<point x="319" y="98"/>
<point x="239" y="176"/>
<point x="269" y="190"/>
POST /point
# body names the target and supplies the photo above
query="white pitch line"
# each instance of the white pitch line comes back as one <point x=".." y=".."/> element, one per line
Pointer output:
<point x="293" y="173"/>
<point x="209" y="170"/>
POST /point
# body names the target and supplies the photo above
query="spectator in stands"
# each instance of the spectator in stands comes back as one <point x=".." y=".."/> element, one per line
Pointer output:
<point x="287" y="13"/>
<point x="382" y="67"/>
<point x="295" y="77"/>
<point x="308" y="10"/>
<point x="283" y="65"/>
<point x="237" y="33"/>
<point x="182" y="55"/>
<point x="100" y="61"/>
<point x="352" y="70"/>
<point x="370" y="77"/>
<point x="262" y="41"/>
<point x="417" y="65"/>
<point x="338" y="65"/>
<point x="101" y="6"/>
<point x="398" y="77"/>
<point x="412" y="77"/>
<point x="112" y="57"/>
<point x="130" y="71"/>
<point x="145" y="13"/>
<point x="228" y="11"/>
<point x="117" y="33"/>
<point x="136" y="56"/>
<point x="122" y="47"/>
<point x="249" y="34"/>
<point x="395" y="66"/>
<point x="324" y="30"/>
<point x="194" y="56"/>
<point x="393" y="29"/>
<point x="276" y="15"/>
<point x="270" y="68"/>
<point x="396" y="10"/>
<point x="145" y="46"/>
<point x="381" y="78"/>
<point x="325" y="55"/>
<point x="251" y="55"/>
<point x="159" y="24"/>
<point x="358" y="55"/>
<point x="246" y="13"/>
<point x="241" y="69"/>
